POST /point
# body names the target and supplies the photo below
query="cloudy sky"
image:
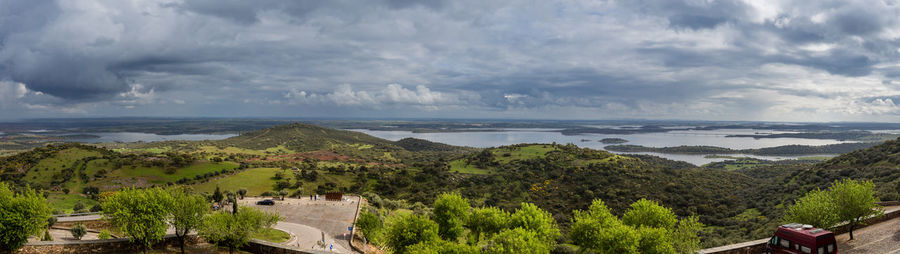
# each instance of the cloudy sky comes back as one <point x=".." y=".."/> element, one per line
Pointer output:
<point x="690" y="59"/>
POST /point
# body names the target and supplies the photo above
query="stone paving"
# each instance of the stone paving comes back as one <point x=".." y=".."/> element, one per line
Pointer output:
<point x="331" y="217"/>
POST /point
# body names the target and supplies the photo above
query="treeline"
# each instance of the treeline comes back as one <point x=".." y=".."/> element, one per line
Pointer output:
<point x="454" y="226"/>
<point x="569" y="178"/>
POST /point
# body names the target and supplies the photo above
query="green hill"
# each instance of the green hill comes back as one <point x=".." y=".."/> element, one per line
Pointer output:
<point x="303" y="137"/>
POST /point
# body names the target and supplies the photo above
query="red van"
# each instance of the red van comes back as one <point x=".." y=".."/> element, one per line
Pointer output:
<point x="796" y="238"/>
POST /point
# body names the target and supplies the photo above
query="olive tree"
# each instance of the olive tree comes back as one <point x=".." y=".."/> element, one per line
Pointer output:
<point x="139" y="214"/>
<point x="21" y="215"/>
<point x="855" y="201"/>
<point x="815" y="208"/>
<point x="234" y="230"/>
<point x="846" y="200"/>
<point x="186" y="213"/>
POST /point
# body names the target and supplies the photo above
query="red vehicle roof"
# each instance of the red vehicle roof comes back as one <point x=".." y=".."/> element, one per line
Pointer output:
<point x="804" y="233"/>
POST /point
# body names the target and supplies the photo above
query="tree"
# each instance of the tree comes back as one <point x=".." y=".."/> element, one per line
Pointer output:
<point x="408" y="230"/>
<point x="598" y="230"/>
<point x="21" y="215"/>
<point x="242" y="192"/>
<point x="78" y="231"/>
<point x="646" y="227"/>
<point x="369" y="224"/>
<point x="517" y="240"/>
<point x="450" y="212"/>
<point x="487" y="221"/>
<point x="234" y="230"/>
<point x="855" y="201"/>
<point x="815" y="208"/>
<point x="217" y="195"/>
<point x="283" y="193"/>
<point x="685" y="238"/>
<point x="186" y="213"/>
<point x="139" y="214"/>
<point x="442" y="247"/>
<point x="532" y="218"/>
<point x="650" y="214"/>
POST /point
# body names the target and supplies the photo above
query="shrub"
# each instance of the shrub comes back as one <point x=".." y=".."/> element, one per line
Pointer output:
<point x="78" y="231"/>
<point x="47" y="236"/>
<point x="104" y="234"/>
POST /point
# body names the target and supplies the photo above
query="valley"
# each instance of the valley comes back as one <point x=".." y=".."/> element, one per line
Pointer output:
<point x="738" y="199"/>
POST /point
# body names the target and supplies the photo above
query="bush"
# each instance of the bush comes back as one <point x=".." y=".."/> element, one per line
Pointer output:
<point x="96" y="208"/>
<point x="78" y="206"/>
<point x="104" y="234"/>
<point x="78" y="231"/>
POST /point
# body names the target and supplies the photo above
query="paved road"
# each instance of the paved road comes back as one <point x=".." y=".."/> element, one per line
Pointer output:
<point x="881" y="238"/>
<point x="331" y="217"/>
<point x="306" y="237"/>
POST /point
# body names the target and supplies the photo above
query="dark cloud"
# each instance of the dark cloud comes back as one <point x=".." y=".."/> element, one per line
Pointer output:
<point x="643" y="58"/>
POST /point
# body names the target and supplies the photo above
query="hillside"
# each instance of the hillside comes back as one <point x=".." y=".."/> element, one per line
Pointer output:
<point x="561" y="178"/>
<point x="303" y="137"/>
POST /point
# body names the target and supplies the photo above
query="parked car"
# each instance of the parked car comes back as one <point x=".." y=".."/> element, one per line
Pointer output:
<point x="798" y="238"/>
<point x="265" y="202"/>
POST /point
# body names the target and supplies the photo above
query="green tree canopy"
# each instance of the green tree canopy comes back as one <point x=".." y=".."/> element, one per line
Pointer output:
<point x="518" y="241"/>
<point x="651" y="228"/>
<point x="451" y="212"/>
<point x="487" y="221"/>
<point x="408" y="230"/>
<point x="21" y="215"/>
<point x="532" y="218"/>
<point x="815" y="208"/>
<point x="442" y="247"/>
<point x="234" y="230"/>
<point x="855" y="201"/>
<point x="140" y="214"/>
<point x="598" y="230"/>
<point x="650" y="214"/>
<point x="369" y="224"/>
<point x="186" y="213"/>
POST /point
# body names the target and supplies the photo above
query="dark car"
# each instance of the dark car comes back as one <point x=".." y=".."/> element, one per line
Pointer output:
<point x="799" y="238"/>
<point x="265" y="202"/>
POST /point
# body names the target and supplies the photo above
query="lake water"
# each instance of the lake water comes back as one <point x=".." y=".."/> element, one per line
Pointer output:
<point x="660" y="139"/>
<point x="106" y="137"/>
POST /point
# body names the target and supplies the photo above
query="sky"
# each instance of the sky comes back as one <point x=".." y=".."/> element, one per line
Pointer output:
<point x="673" y="59"/>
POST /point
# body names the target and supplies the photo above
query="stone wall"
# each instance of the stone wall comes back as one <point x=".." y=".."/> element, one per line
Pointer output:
<point x="256" y="246"/>
<point x="121" y="245"/>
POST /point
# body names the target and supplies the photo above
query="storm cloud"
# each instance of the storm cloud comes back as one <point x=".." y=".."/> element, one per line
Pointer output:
<point x="736" y="60"/>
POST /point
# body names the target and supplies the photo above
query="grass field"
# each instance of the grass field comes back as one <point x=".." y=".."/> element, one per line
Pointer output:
<point x="522" y="153"/>
<point x="272" y="235"/>
<point x="236" y="150"/>
<point x="65" y="202"/>
<point x="255" y="180"/>
<point x="461" y="167"/>
<point x="43" y="172"/>
<point x="156" y="175"/>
